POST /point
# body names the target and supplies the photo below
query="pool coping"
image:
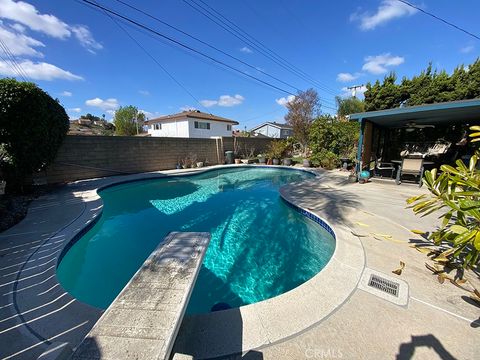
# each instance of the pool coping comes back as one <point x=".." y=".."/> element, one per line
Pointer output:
<point x="263" y="323"/>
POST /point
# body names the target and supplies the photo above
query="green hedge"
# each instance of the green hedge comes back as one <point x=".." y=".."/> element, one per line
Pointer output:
<point x="32" y="128"/>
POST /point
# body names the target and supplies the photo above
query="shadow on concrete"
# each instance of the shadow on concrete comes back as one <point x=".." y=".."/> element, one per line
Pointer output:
<point x="407" y="350"/>
<point x="35" y="311"/>
<point x="224" y="337"/>
<point x="333" y="204"/>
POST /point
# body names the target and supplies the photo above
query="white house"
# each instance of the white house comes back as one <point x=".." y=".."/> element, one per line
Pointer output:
<point x="190" y="124"/>
<point x="273" y="130"/>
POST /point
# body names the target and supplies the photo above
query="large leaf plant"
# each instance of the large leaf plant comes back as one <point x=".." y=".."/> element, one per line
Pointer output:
<point x="455" y="192"/>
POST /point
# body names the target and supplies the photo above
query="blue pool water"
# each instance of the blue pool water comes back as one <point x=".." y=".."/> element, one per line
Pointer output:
<point x="260" y="247"/>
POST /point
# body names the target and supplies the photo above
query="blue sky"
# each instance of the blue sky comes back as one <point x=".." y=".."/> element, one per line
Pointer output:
<point x="86" y="60"/>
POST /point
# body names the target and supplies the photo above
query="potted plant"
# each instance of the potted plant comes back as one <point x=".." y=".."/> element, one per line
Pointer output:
<point x="199" y="164"/>
<point x="287" y="161"/>
<point x="262" y="159"/>
<point x="276" y="149"/>
<point x="238" y="160"/>
<point x="306" y="163"/>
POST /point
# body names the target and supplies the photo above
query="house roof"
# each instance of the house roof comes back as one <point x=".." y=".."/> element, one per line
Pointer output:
<point x="274" y="124"/>
<point x="193" y="114"/>
<point x="447" y="112"/>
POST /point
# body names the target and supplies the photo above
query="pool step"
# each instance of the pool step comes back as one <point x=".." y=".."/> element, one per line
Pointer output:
<point x="143" y="321"/>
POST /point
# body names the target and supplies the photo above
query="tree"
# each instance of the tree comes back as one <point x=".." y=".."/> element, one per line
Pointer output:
<point x="347" y="106"/>
<point x="301" y="112"/>
<point x="125" y="121"/>
<point x="90" y="117"/>
<point x="430" y="86"/>
<point x="32" y="128"/>
<point x="332" y="139"/>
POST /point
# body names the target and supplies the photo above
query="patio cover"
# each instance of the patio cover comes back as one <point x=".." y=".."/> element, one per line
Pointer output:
<point x="463" y="111"/>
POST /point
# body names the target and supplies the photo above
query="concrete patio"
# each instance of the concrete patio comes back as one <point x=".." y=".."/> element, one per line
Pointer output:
<point x="439" y="321"/>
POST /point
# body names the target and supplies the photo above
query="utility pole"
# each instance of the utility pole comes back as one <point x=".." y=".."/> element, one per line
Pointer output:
<point x="136" y="120"/>
<point x="354" y="89"/>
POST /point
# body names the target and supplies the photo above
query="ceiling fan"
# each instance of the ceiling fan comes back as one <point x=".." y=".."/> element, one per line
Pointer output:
<point x="412" y="125"/>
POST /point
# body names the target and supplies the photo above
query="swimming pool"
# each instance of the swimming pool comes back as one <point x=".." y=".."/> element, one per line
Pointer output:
<point x="260" y="247"/>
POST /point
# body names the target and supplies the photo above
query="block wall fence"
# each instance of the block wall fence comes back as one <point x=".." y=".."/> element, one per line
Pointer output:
<point x="84" y="157"/>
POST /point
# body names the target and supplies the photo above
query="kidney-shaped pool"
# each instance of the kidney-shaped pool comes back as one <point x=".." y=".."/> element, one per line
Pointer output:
<point x="260" y="247"/>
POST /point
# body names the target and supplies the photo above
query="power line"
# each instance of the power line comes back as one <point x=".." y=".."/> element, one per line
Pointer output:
<point x="207" y="44"/>
<point x="440" y="19"/>
<point x="179" y="43"/>
<point x="155" y="60"/>
<point x="13" y="62"/>
<point x="248" y="39"/>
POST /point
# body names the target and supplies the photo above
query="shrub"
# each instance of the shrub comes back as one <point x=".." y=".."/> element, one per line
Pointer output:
<point x="32" y="128"/>
<point x="277" y="149"/>
<point x="326" y="159"/>
<point x="332" y="139"/>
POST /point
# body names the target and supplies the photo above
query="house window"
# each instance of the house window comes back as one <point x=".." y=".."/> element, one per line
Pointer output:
<point x="157" y="126"/>
<point x="202" y="125"/>
<point x="229" y="127"/>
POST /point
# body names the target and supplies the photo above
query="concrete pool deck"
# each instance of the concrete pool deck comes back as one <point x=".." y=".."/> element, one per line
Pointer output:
<point x="438" y="321"/>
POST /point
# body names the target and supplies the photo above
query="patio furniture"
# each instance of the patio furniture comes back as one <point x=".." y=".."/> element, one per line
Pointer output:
<point x="411" y="166"/>
<point x="377" y="167"/>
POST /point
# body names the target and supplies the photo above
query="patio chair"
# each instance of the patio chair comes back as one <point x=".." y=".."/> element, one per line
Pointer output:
<point x="377" y="167"/>
<point x="410" y="166"/>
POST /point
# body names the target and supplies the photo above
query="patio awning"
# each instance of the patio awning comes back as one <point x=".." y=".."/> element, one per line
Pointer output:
<point x="451" y="112"/>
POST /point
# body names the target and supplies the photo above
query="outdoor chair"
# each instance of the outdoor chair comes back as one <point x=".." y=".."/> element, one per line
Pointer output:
<point x="378" y="168"/>
<point x="410" y="166"/>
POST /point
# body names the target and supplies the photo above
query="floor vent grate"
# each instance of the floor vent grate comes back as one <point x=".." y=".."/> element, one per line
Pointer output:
<point x="382" y="284"/>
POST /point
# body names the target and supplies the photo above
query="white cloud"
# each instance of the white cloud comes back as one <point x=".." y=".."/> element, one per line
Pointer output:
<point x="346" y="77"/>
<point x="379" y="64"/>
<point x="246" y="50"/>
<point x="66" y="93"/>
<point x="108" y="105"/>
<point x="20" y="44"/>
<point x="224" y="100"/>
<point x="150" y="115"/>
<point x="467" y="49"/>
<point x="144" y="92"/>
<point x="38" y="71"/>
<point x="28" y="15"/>
<point x="285" y="100"/>
<point x="18" y="27"/>
<point x="208" y="103"/>
<point x="388" y="10"/>
<point x="75" y="110"/>
<point x="24" y="14"/>
<point x="84" y="36"/>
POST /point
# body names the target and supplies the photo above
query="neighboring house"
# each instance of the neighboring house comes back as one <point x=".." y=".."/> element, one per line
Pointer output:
<point x="274" y="130"/>
<point x="190" y="124"/>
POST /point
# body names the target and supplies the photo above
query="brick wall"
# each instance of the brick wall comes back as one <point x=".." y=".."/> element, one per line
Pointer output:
<point x="83" y="157"/>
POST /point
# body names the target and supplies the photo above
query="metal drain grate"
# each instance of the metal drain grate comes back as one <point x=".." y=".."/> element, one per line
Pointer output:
<point x="382" y="284"/>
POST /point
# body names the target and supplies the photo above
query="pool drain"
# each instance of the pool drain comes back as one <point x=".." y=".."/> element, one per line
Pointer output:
<point x="385" y="286"/>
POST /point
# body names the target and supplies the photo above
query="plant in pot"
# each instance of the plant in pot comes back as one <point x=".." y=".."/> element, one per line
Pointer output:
<point x="261" y="158"/>
<point x="287" y="153"/>
<point x="276" y="150"/>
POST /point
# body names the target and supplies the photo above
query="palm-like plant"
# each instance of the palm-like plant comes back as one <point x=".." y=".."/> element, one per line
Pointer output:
<point x="456" y="192"/>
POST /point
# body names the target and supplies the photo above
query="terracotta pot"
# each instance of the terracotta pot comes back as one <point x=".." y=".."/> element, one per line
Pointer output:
<point x="238" y="161"/>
